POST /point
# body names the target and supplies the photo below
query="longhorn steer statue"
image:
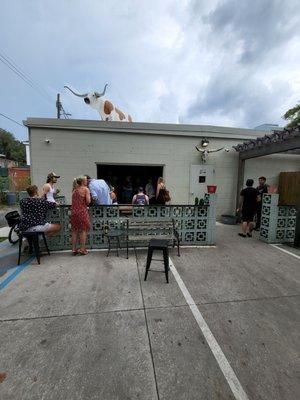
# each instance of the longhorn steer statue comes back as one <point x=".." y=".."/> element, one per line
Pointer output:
<point x="106" y="109"/>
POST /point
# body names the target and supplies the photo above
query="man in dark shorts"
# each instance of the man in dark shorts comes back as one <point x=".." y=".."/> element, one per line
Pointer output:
<point x="262" y="188"/>
<point x="249" y="199"/>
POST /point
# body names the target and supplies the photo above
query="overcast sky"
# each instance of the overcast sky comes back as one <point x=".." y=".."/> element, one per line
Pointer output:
<point x="227" y="62"/>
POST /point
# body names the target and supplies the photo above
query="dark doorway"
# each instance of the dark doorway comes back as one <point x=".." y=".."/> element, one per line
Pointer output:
<point x="126" y="179"/>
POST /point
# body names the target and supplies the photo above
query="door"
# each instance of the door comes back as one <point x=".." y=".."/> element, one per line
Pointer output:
<point x="200" y="176"/>
<point x="116" y="175"/>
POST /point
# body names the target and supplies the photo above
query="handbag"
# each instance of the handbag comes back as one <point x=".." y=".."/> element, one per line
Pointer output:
<point x="165" y="194"/>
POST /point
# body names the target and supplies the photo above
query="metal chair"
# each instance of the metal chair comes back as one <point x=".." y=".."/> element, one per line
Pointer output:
<point x="33" y="241"/>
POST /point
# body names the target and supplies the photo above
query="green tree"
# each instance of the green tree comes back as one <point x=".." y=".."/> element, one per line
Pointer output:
<point x="293" y="115"/>
<point x="11" y="147"/>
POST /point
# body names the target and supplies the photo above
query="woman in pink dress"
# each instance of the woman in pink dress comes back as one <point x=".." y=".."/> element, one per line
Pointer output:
<point x="80" y="219"/>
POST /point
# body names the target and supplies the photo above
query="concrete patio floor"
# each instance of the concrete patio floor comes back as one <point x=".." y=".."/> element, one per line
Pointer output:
<point x="91" y="328"/>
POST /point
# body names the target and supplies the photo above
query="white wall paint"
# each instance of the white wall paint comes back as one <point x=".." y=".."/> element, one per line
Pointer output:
<point x="72" y="153"/>
<point x="271" y="166"/>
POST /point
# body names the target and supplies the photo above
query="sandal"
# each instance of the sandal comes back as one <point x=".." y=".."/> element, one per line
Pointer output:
<point x="74" y="252"/>
<point x="82" y="252"/>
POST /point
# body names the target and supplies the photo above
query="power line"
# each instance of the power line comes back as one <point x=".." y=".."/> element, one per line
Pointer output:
<point x="20" y="75"/>
<point x="12" y="65"/>
<point x="5" y="116"/>
<point x="22" y="72"/>
<point x="14" y="68"/>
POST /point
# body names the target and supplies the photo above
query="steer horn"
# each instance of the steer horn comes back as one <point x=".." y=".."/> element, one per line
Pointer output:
<point x="76" y="94"/>
<point x="103" y="93"/>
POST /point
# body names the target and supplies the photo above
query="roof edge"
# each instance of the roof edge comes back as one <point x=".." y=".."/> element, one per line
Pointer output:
<point x="142" y="128"/>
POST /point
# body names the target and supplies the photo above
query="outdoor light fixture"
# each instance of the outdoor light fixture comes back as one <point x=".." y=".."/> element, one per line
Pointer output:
<point x="47" y="141"/>
<point x="204" y="142"/>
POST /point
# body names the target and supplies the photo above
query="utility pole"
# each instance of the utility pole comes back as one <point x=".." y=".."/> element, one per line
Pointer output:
<point x="60" y="110"/>
<point x="58" y="105"/>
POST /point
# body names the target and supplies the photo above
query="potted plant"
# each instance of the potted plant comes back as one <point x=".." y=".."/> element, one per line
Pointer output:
<point x="211" y="189"/>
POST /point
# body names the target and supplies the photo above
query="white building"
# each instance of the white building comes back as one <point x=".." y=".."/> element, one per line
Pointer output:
<point x="113" y="150"/>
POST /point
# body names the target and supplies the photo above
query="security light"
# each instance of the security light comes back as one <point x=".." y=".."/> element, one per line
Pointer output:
<point x="204" y="142"/>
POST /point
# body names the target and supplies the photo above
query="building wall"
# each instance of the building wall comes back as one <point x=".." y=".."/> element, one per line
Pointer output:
<point x="271" y="166"/>
<point x="74" y="152"/>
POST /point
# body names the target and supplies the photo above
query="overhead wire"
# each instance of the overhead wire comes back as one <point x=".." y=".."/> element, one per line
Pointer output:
<point x="5" y="116"/>
<point x="17" y="70"/>
<point x="22" y="72"/>
<point x="13" y="66"/>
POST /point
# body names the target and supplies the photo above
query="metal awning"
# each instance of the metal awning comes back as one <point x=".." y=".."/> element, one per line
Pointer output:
<point x="279" y="141"/>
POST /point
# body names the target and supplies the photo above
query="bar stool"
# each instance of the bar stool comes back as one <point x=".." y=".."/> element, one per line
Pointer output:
<point x="114" y="234"/>
<point x="33" y="240"/>
<point x="162" y="245"/>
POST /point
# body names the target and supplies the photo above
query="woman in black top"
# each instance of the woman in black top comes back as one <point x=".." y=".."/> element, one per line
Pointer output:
<point x="162" y="194"/>
<point x="249" y="199"/>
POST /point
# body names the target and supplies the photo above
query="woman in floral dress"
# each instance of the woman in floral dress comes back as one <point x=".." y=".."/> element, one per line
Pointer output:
<point x="80" y="219"/>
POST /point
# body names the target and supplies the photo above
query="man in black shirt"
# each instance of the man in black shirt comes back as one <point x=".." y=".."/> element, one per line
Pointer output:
<point x="249" y="199"/>
<point x="34" y="212"/>
<point x="262" y="188"/>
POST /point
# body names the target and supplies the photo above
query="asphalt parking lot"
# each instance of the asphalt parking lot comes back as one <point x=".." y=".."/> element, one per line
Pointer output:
<point x="91" y="328"/>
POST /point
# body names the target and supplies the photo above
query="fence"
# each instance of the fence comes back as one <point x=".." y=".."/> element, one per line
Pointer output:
<point x="278" y="223"/>
<point x="19" y="178"/>
<point x="195" y="224"/>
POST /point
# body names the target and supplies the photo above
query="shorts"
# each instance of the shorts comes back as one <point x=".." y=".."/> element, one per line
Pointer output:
<point x="248" y="215"/>
<point x="40" y="228"/>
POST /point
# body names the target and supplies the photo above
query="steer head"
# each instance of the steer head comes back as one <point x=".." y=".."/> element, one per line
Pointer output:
<point x="92" y="99"/>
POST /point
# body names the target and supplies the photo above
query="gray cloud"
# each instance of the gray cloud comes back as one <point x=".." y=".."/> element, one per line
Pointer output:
<point x="244" y="98"/>
<point x="258" y="26"/>
<point x="249" y="39"/>
<point x="218" y="62"/>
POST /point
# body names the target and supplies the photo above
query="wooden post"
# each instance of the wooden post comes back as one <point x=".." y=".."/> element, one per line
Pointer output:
<point x="240" y="180"/>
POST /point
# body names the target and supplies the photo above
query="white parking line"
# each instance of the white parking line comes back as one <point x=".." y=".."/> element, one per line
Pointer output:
<point x="224" y="365"/>
<point x="285" y="251"/>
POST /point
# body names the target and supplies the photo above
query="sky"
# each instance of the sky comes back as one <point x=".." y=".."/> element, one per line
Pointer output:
<point x="219" y="62"/>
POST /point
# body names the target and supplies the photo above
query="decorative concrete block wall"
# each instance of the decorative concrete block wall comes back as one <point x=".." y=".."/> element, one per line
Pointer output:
<point x="277" y="222"/>
<point x="195" y="224"/>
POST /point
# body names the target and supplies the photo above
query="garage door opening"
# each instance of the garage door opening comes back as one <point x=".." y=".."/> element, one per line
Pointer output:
<point x="126" y="179"/>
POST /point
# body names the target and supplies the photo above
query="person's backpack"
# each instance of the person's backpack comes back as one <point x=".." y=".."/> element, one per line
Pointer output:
<point x="140" y="200"/>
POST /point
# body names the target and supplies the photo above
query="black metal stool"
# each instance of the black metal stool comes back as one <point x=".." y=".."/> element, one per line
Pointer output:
<point x="114" y="234"/>
<point x="33" y="241"/>
<point x="158" y="244"/>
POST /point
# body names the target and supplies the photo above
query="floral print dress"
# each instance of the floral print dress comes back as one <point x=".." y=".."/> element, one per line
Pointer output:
<point x="80" y="219"/>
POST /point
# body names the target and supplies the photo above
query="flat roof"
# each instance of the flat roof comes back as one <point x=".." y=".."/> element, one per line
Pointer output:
<point x="147" y="128"/>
